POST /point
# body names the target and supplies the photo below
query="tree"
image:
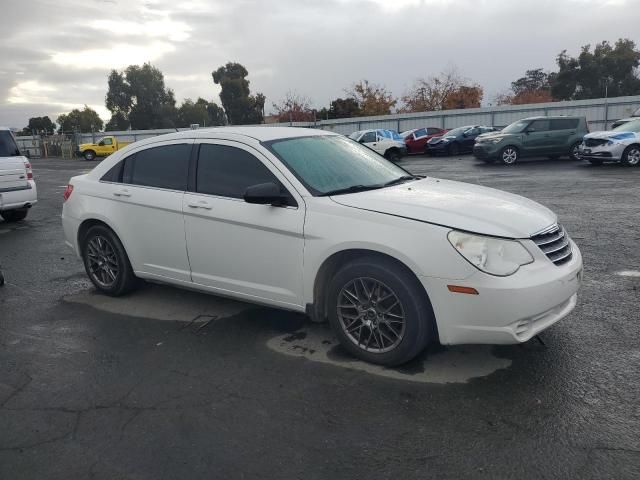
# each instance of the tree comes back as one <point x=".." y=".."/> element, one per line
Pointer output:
<point x="138" y="95"/>
<point x="241" y="107"/>
<point x="610" y="68"/>
<point x="371" y="99"/>
<point x="445" y="91"/>
<point x="39" y="125"/>
<point x="118" y="122"/>
<point x="294" y="108"/>
<point x="343" y="108"/>
<point x="201" y="112"/>
<point x="534" y="87"/>
<point x="85" y="120"/>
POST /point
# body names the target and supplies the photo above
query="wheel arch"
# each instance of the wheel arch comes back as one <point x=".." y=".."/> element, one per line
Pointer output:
<point x="86" y="224"/>
<point x="330" y="266"/>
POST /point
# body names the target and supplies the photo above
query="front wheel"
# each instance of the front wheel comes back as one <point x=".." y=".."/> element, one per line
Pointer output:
<point x="509" y="155"/>
<point x="15" y="215"/>
<point x="89" y="155"/>
<point x="379" y="312"/>
<point x="574" y="152"/>
<point x="392" y="155"/>
<point x="631" y="156"/>
<point x="106" y="262"/>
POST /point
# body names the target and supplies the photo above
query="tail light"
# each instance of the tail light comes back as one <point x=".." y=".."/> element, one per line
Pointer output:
<point x="67" y="192"/>
<point x="27" y="165"/>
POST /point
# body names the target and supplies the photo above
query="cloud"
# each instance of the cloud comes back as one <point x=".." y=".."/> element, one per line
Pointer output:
<point x="59" y="56"/>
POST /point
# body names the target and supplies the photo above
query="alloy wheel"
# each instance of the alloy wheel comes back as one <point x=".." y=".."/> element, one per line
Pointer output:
<point x="509" y="155"/>
<point x="633" y="157"/>
<point x="103" y="261"/>
<point x="371" y="315"/>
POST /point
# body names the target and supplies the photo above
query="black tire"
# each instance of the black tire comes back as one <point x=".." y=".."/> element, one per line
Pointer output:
<point x="123" y="280"/>
<point x="15" y="215"/>
<point x="392" y="155"/>
<point x="631" y="156"/>
<point x="417" y="327"/>
<point x="574" y="152"/>
<point x="509" y="155"/>
<point x="89" y="155"/>
<point x="595" y="162"/>
<point x="453" y="150"/>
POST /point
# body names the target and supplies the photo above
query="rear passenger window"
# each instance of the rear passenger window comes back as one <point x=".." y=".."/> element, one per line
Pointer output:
<point x="564" y="123"/>
<point x="228" y="171"/>
<point x="539" y="125"/>
<point x="432" y="130"/>
<point x="160" y="167"/>
<point x="115" y="173"/>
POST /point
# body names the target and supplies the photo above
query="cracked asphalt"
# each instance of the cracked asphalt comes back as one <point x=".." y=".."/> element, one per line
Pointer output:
<point x="87" y="391"/>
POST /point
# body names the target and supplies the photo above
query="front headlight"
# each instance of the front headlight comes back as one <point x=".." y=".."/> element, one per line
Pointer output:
<point x="491" y="255"/>
<point x="493" y="140"/>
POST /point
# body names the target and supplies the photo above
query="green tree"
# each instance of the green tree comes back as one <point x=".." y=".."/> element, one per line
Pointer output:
<point x="85" y="120"/>
<point x="241" y="107"/>
<point x="610" y="67"/>
<point x="118" y="122"/>
<point x="343" y="108"/>
<point x="40" y="125"/>
<point x="202" y="112"/>
<point x="534" y="87"/>
<point x="138" y="95"/>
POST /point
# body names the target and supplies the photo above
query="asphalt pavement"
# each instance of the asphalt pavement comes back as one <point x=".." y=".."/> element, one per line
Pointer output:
<point x="168" y="384"/>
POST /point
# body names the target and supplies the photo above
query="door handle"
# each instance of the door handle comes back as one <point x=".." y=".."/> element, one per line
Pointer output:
<point x="200" y="204"/>
<point x="121" y="193"/>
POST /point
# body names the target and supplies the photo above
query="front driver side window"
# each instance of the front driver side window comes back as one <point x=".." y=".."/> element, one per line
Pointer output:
<point x="539" y="126"/>
<point x="107" y="141"/>
<point x="368" y="137"/>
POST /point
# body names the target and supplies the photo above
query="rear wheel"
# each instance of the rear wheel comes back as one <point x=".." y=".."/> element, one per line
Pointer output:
<point x="574" y="152"/>
<point x="631" y="156"/>
<point x="15" y="215"/>
<point x="509" y="155"/>
<point x="89" y="155"/>
<point x="379" y="312"/>
<point x="106" y="262"/>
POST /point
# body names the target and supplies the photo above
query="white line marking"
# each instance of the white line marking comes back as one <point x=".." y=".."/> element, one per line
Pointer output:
<point x="629" y="273"/>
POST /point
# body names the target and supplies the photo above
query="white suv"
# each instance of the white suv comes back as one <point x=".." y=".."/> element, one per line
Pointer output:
<point x="17" y="187"/>
<point x="391" y="146"/>
<point x="311" y="221"/>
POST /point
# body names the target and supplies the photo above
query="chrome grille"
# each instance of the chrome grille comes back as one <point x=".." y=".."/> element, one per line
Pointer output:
<point x="554" y="243"/>
<point x="595" y="142"/>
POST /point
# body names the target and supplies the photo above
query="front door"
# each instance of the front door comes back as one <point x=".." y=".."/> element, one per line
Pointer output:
<point x="254" y="251"/>
<point x="537" y="139"/>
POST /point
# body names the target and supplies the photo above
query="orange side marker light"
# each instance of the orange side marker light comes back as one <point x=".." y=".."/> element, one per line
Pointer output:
<point x="459" y="289"/>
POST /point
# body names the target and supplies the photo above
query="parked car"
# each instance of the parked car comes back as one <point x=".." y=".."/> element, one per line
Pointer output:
<point x="622" y="144"/>
<point x="456" y="141"/>
<point x="310" y="221"/>
<point x="105" y="146"/>
<point x="551" y="137"/>
<point x="622" y="121"/>
<point x="17" y="187"/>
<point x="416" y="139"/>
<point x="382" y="141"/>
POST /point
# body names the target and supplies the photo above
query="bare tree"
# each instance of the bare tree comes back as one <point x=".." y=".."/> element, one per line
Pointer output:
<point x="445" y="91"/>
<point x="294" y="108"/>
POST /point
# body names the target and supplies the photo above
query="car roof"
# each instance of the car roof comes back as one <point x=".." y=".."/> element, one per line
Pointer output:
<point x="550" y="117"/>
<point x="262" y="134"/>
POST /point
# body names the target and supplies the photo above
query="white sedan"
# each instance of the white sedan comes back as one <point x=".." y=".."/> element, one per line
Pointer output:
<point x="622" y="144"/>
<point x="314" y="222"/>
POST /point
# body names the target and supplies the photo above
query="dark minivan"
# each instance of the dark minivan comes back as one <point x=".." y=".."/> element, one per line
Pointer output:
<point x="551" y="137"/>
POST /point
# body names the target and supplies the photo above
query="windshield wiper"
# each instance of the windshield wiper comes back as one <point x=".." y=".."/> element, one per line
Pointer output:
<point x="402" y="179"/>
<point x="351" y="189"/>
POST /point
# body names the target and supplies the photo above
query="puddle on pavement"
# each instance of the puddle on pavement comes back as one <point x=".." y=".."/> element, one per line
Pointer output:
<point x="457" y="364"/>
<point x="160" y="302"/>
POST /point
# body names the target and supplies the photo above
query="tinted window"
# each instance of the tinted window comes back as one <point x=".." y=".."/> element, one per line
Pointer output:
<point x="473" y="131"/>
<point x="368" y="137"/>
<point x="420" y="133"/>
<point x="539" y="125"/>
<point x="161" y="167"/>
<point x="564" y="123"/>
<point x="107" y="141"/>
<point x="228" y="171"/>
<point x="8" y="147"/>
<point x="115" y="173"/>
<point x="432" y="130"/>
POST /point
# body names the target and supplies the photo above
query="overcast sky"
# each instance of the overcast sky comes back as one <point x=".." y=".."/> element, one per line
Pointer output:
<point x="55" y="54"/>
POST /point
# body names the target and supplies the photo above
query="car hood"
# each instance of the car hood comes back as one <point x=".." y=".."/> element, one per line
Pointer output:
<point x="457" y="205"/>
<point x="617" y="135"/>
<point x="436" y="140"/>
<point x="500" y="135"/>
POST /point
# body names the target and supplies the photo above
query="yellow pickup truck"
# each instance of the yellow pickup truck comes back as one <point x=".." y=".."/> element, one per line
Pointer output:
<point x="105" y="146"/>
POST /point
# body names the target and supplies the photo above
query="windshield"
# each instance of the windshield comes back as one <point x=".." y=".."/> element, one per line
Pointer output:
<point x="632" y="126"/>
<point x="329" y="163"/>
<point x="8" y="147"/>
<point x="516" y="127"/>
<point x="355" y="135"/>
<point x="457" y="131"/>
<point x="406" y="134"/>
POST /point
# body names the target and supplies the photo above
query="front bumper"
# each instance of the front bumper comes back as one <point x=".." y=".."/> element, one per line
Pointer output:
<point x="484" y="151"/>
<point x="442" y="147"/>
<point x="509" y="309"/>
<point x="605" y="153"/>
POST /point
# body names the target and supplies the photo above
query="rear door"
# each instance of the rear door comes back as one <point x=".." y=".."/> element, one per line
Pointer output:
<point x="537" y="139"/>
<point x="13" y="172"/>
<point x="564" y="134"/>
<point x="144" y="202"/>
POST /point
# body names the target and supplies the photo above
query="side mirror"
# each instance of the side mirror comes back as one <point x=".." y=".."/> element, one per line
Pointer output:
<point x="361" y="140"/>
<point x="265" y="194"/>
<point x="101" y="144"/>
<point x="529" y="130"/>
